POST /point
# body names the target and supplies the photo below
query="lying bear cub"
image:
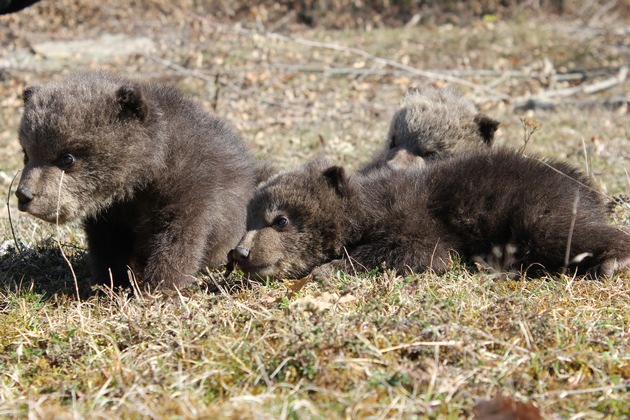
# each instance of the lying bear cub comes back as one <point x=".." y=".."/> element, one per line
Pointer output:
<point x="160" y="186"/>
<point x="433" y="124"/>
<point x="414" y="220"/>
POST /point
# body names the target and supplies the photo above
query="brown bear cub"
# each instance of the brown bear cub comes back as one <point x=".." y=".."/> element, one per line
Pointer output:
<point x="159" y="185"/>
<point x="415" y="219"/>
<point x="439" y="123"/>
<point x="433" y="124"/>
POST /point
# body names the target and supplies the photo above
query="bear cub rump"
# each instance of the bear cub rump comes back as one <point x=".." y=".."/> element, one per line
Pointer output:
<point x="414" y="219"/>
<point x="159" y="185"/>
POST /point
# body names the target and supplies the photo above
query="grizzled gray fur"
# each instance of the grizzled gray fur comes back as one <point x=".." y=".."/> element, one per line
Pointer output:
<point x="433" y="124"/>
<point x="159" y="185"/>
<point x="439" y="123"/>
<point x="416" y="219"/>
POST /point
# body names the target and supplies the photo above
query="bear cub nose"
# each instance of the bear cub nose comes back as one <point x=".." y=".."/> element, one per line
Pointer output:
<point x="239" y="254"/>
<point x="24" y="195"/>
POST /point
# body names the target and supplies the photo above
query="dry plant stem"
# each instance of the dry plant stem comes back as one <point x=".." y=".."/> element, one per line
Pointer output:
<point x="567" y="176"/>
<point x="217" y="92"/>
<point x="133" y="281"/>
<point x="587" y="160"/>
<point x="530" y="126"/>
<point x="15" y="241"/>
<point x="63" y="254"/>
<point x="570" y="236"/>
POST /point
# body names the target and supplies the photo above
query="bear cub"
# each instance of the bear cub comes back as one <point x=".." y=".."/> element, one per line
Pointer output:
<point x="433" y="124"/>
<point x="159" y="185"/>
<point x="438" y="123"/>
<point x="413" y="220"/>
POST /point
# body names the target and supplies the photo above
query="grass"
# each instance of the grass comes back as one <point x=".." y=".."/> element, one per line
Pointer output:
<point x="370" y="345"/>
<point x="358" y="346"/>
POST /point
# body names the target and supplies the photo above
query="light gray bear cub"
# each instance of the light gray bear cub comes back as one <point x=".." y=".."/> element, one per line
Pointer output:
<point x="159" y="185"/>
<point x="433" y="124"/>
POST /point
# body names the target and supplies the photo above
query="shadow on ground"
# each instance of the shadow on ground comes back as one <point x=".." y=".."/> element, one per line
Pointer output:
<point x="43" y="269"/>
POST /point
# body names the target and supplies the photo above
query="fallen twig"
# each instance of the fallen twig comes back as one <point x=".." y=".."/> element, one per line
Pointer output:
<point x="184" y="70"/>
<point x="422" y="344"/>
<point x="587" y="89"/>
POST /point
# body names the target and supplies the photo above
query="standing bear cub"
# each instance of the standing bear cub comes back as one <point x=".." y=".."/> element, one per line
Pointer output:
<point x="160" y="186"/>
<point x="415" y="219"/>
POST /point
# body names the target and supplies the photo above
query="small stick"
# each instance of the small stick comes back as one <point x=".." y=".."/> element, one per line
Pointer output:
<point x="573" y="217"/>
<point x="586" y="89"/>
<point x="63" y="254"/>
<point x="422" y="343"/>
<point x="15" y="241"/>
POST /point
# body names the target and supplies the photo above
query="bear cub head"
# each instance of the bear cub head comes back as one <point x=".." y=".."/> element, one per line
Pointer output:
<point x="433" y="124"/>
<point x="78" y="157"/>
<point x="296" y="221"/>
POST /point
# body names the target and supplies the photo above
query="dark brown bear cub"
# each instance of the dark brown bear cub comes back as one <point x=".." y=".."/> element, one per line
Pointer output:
<point x="159" y="185"/>
<point x="415" y="219"/>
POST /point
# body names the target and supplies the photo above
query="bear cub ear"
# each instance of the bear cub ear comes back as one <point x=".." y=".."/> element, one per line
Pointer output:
<point x="132" y="105"/>
<point x="487" y="127"/>
<point x="336" y="177"/>
<point x="27" y="94"/>
<point x="412" y="91"/>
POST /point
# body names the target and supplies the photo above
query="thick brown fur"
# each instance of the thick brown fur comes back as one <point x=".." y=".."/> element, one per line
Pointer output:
<point x="433" y="124"/>
<point x="159" y="185"/>
<point x="416" y="220"/>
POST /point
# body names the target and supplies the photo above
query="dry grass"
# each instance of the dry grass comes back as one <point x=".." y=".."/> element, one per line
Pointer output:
<point x="356" y="346"/>
<point x="374" y="345"/>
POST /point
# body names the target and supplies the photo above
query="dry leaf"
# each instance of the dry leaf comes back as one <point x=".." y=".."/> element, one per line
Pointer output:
<point x="505" y="408"/>
<point x="322" y="302"/>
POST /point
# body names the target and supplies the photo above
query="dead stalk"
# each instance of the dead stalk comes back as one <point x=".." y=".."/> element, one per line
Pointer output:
<point x="15" y="241"/>
<point x="63" y="254"/>
<point x="568" y="248"/>
<point x="530" y="126"/>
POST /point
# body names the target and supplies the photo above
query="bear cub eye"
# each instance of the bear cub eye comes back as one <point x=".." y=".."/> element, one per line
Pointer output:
<point x="67" y="160"/>
<point x="430" y="155"/>
<point x="281" y="222"/>
<point x="393" y="141"/>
